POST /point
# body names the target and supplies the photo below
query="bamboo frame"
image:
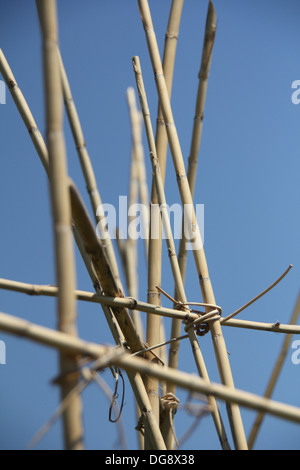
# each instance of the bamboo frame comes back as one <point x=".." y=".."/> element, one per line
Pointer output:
<point x="181" y="296"/>
<point x="36" y="137"/>
<point x="186" y="198"/>
<point x="115" y="356"/>
<point x="61" y="211"/>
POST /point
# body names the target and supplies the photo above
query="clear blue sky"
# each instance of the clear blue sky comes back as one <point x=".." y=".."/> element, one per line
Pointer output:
<point x="248" y="180"/>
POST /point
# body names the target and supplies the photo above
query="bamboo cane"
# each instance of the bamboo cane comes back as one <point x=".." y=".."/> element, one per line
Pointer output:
<point x="154" y="325"/>
<point x="186" y="198"/>
<point x="275" y="375"/>
<point x="131" y="304"/>
<point x="42" y="151"/>
<point x="87" y="169"/>
<point x="209" y="38"/>
<point x="65" y="261"/>
<point x="173" y="259"/>
<point x="115" y="356"/>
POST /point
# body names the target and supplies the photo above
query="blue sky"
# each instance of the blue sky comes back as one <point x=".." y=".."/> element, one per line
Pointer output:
<point x="248" y="180"/>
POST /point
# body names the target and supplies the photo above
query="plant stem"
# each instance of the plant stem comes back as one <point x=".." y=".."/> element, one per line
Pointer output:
<point x="275" y="375"/>
<point x="187" y="200"/>
<point x="60" y="198"/>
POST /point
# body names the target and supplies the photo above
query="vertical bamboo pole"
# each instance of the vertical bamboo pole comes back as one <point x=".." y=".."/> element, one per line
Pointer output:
<point x="154" y="325"/>
<point x="210" y="31"/>
<point x="65" y="262"/>
<point x="275" y="375"/>
<point x="187" y="200"/>
<point x="173" y="258"/>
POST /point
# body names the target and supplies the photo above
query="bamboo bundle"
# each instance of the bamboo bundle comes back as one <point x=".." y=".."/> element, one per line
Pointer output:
<point x="181" y="296"/>
<point x="60" y="198"/>
<point x="186" y="198"/>
<point x="36" y="137"/>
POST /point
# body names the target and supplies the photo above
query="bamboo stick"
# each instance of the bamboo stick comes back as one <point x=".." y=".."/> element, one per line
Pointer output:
<point x="72" y="345"/>
<point x="174" y="262"/>
<point x="64" y="255"/>
<point x="36" y="137"/>
<point x="209" y="38"/>
<point x="130" y="303"/>
<point x="186" y="198"/>
<point x="87" y="169"/>
<point x="154" y="325"/>
<point x="275" y="375"/>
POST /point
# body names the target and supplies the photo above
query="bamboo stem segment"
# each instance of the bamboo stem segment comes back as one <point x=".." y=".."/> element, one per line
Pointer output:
<point x="72" y="345"/>
<point x="87" y="169"/>
<point x="186" y="198"/>
<point x="65" y="259"/>
<point x="209" y="39"/>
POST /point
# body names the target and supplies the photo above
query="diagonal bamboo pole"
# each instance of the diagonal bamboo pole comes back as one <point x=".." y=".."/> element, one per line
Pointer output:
<point x="87" y="169"/>
<point x="38" y="141"/>
<point x="181" y="296"/>
<point x="154" y="324"/>
<point x="209" y="38"/>
<point x="275" y="375"/>
<point x="187" y="200"/>
<point x="60" y="198"/>
<point x="114" y="356"/>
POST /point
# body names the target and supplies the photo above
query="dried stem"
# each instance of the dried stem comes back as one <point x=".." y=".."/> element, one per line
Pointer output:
<point x="36" y="137"/>
<point x="67" y="343"/>
<point x="131" y="304"/>
<point x="275" y="375"/>
<point x="209" y="38"/>
<point x="174" y="262"/>
<point x="154" y="325"/>
<point x="187" y="200"/>
<point x="60" y="198"/>
<point x="87" y="170"/>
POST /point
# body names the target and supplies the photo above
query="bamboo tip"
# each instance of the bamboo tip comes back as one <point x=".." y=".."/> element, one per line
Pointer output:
<point x="211" y="16"/>
<point x="136" y="63"/>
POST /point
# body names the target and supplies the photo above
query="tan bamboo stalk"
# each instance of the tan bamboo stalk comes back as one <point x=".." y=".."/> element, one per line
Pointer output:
<point x="24" y="111"/>
<point x="130" y="245"/>
<point x="61" y="212"/>
<point x="174" y="262"/>
<point x="154" y="325"/>
<point x="36" y="137"/>
<point x="187" y="200"/>
<point x="52" y="291"/>
<point x="115" y="356"/>
<point x="275" y="375"/>
<point x="209" y="38"/>
<point x="87" y="169"/>
<point x="139" y="158"/>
